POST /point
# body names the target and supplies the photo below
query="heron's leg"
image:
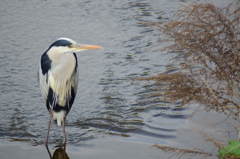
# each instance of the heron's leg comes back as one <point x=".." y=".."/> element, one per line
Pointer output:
<point x="49" y="153"/>
<point x="64" y="133"/>
<point x="65" y="154"/>
<point x="49" y="123"/>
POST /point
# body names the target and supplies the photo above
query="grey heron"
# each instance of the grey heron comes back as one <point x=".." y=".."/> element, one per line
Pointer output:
<point x="58" y="79"/>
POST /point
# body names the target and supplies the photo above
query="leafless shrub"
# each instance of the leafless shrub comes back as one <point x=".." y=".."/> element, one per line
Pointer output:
<point x="206" y="42"/>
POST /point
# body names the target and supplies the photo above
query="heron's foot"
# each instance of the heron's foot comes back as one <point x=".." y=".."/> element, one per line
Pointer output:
<point x="61" y="145"/>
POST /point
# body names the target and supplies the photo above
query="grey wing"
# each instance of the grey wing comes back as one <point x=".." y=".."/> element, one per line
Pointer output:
<point x="43" y="74"/>
<point x="43" y="83"/>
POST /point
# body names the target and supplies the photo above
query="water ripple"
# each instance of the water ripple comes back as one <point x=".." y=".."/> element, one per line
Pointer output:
<point x="108" y="102"/>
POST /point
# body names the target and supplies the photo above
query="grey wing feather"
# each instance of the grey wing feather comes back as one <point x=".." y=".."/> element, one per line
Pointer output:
<point x="43" y="83"/>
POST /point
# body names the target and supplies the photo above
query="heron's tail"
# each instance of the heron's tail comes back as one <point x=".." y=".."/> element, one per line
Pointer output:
<point x="59" y="122"/>
<point x="59" y="116"/>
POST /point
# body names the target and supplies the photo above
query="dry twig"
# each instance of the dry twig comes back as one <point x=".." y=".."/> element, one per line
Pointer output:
<point x="206" y="39"/>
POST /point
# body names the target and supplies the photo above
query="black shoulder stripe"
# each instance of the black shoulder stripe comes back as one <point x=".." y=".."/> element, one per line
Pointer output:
<point x="50" y="96"/>
<point x="45" y="63"/>
<point x="76" y="66"/>
<point x="73" y="94"/>
<point x="70" y="100"/>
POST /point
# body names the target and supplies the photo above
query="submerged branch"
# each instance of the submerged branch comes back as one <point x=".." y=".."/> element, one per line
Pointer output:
<point x="180" y="152"/>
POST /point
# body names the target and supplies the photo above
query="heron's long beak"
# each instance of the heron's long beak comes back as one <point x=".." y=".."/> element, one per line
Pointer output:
<point x="81" y="47"/>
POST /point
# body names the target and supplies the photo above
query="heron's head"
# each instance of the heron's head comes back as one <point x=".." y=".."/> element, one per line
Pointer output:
<point x="67" y="44"/>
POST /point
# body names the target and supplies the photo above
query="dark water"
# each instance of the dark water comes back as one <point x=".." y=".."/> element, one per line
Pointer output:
<point x="108" y="106"/>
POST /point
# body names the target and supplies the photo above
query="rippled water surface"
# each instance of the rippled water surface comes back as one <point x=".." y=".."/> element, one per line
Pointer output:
<point x="108" y="105"/>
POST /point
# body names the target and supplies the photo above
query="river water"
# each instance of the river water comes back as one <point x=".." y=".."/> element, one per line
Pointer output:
<point x="111" y="116"/>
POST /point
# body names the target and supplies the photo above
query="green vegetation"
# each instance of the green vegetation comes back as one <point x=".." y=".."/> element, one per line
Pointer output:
<point x="233" y="149"/>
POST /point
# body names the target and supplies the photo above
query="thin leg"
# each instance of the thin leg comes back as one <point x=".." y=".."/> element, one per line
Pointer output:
<point x="49" y="153"/>
<point x="65" y="154"/>
<point x="49" y="123"/>
<point x="64" y="133"/>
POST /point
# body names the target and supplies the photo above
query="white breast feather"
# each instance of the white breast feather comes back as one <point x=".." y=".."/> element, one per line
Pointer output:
<point x="61" y="77"/>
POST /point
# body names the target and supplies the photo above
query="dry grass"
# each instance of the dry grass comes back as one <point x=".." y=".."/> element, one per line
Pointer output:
<point x="188" y="153"/>
<point x="183" y="152"/>
<point x="206" y="42"/>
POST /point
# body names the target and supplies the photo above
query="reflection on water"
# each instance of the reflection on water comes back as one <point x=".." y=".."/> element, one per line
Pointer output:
<point x="59" y="153"/>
